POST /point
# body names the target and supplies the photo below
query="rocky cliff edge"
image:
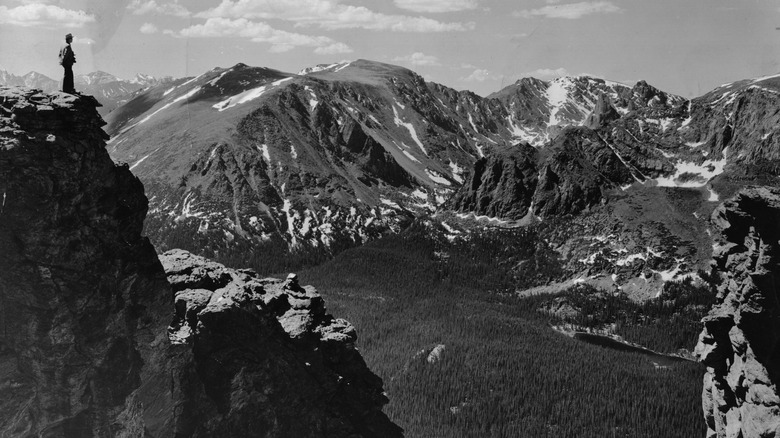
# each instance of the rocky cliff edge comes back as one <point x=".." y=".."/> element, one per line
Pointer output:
<point x="97" y="339"/>
<point x="740" y="344"/>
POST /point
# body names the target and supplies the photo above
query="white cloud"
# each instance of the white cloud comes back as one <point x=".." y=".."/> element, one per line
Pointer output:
<point x="140" y="7"/>
<point x="280" y="40"/>
<point x="42" y="15"/>
<point x="478" y="75"/>
<point x="546" y="73"/>
<point x="83" y="40"/>
<point x="569" y="11"/>
<point x="333" y="49"/>
<point x="327" y="14"/>
<point x="418" y="58"/>
<point x="436" y="5"/>
<point x="148" y="28"/>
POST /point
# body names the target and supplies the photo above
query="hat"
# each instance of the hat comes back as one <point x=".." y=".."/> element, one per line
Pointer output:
<point x="70" y="35"/>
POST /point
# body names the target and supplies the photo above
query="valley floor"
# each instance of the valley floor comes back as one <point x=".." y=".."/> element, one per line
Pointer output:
<point x="460" y="359"/>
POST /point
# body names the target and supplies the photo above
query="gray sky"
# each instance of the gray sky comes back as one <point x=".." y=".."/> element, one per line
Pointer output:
<point x="687" y="47"/>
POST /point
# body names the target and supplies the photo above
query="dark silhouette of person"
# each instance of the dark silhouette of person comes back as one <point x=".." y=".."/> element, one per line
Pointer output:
<point x="67" y="59"/>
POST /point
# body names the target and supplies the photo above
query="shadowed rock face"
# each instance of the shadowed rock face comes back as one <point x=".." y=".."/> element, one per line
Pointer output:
<point x="567" y="177"/>
<point x="500" y="185"/>
<point x="87" y="346"/>
<point x="83" y="300"/>
<point x="740" y="344"/>
<point x="268" y="359"/>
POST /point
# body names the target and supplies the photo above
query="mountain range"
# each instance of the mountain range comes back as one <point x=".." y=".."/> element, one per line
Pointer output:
<point x="110" y="90"/>
<point x="246" y="163"/>
<point x="564" y="229"/>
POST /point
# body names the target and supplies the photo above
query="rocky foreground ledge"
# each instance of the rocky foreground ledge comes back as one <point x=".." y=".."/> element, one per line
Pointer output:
<point x="268" y="355"/>
<point x="740" y="344"/>
<point x="95" y="341"/>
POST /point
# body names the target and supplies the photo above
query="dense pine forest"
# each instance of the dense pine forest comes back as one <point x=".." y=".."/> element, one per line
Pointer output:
<point x="462" y="356"/>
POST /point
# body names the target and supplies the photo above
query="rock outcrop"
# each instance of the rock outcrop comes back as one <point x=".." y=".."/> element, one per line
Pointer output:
<point x="501" y="184"/>
<point x="740" y="344"/>
<point x="87" y="346"/>
<point x="602" y="114"/>
<point x="567" y="177"/>
<point x="264" y="351"/>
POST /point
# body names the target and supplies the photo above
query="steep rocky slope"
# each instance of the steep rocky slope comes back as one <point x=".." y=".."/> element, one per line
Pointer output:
<point x="300" y="162"/>
<point x="720" y="141"/>
<point x="87" y="346"/>
<point x="640" y="172"/>
<point x="248" y="163"/>
<point x="249" y="157"/>
<point x="740" y="344"/>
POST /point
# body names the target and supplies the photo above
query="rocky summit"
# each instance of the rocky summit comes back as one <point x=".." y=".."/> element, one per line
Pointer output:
<point x="98" y="339"/>
<point x="740" y="344"/>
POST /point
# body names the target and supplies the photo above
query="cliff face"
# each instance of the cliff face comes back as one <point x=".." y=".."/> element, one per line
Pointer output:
<point x="500" y="185"/>
<point x="83" y="299"/>
<point x="85" y="307"/>
<point x="565" y="178"/>
<point x="266" y="358"/>
<point x="740" y="344"/>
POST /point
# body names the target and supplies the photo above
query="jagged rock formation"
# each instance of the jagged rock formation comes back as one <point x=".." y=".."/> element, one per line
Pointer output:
<point x="85" y="307"/>
<point x="602" y="114"/>
<point x="500" y="185"/>
<point x="567" y="177"/>
<point x="740" y="344"/>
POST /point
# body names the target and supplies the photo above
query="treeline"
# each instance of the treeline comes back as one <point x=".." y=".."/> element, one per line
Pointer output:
<point x="503" y="372"/>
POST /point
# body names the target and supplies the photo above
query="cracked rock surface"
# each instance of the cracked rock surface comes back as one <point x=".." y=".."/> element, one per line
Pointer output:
<point x="740" y="344"/>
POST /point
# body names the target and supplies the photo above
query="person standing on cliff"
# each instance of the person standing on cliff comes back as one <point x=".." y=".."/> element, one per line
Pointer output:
<point x="67" y="59"/>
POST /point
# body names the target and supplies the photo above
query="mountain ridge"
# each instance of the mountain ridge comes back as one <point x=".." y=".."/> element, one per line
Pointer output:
<point x="314" y="163"/>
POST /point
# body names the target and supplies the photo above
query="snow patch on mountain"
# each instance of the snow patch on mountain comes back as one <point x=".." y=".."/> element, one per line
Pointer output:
<point x="325" y="67"/>
<point x="557" y="95"/>
<point x="143" y="158"/>
<point x="264" y="150"/>
<point x="188" y="208"/>
<point x="246" y="96"/>
<point x="389" y="203"/>
<point x="522" y="133"/>
<point x="313" y="100"/>
<point x="689" y="174"/>
<point x="437" y="177"/>
<point x="286" y="208"/>
<point x="409" y="127"/>
<point x="410" y="156"/>
<point x="457" y="172"/>
<point x="215" y="80"/>
<point x="167" y="105"/>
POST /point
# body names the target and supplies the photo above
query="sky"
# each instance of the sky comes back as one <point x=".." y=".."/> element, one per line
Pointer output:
<point x="687" y="47"/>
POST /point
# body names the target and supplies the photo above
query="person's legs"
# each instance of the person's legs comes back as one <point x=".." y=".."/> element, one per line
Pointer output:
<point x="67" y="81"/>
